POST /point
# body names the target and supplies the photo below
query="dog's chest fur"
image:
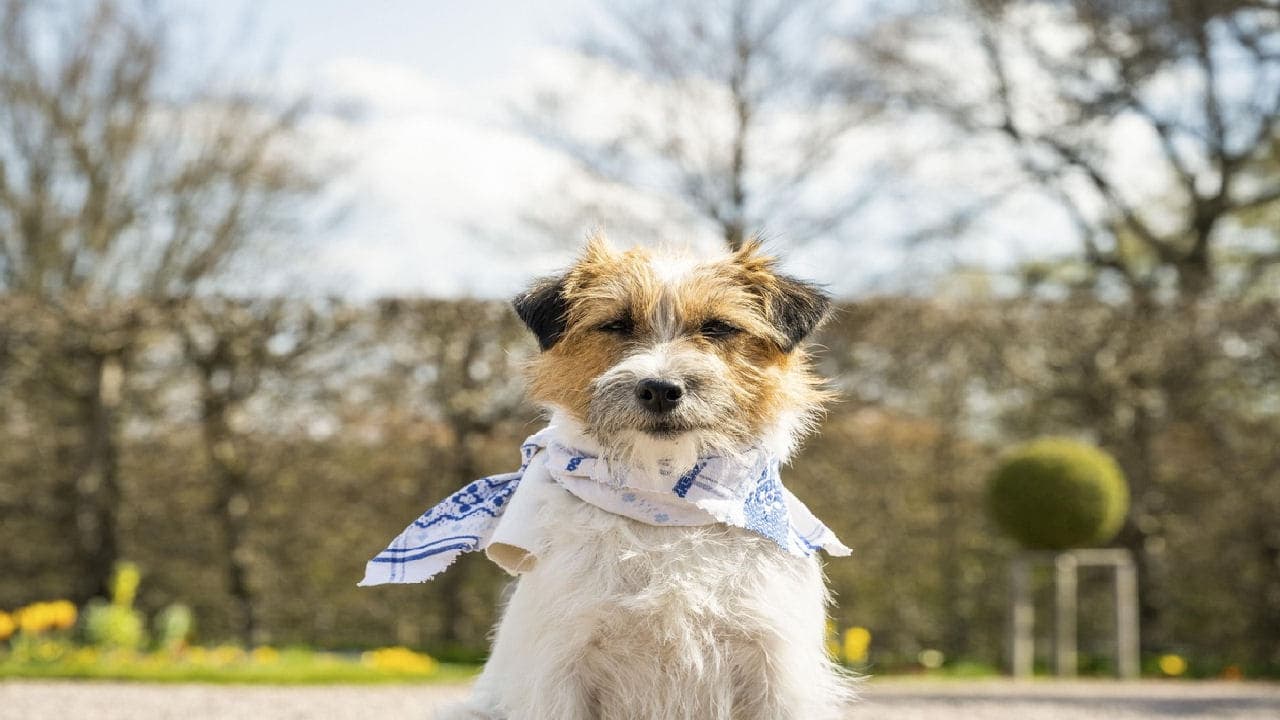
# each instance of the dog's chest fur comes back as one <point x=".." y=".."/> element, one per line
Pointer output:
<point x="657" y="622"/>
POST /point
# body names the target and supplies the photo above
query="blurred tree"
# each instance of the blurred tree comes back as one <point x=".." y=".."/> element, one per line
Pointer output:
<point x="920" y="378"/>
<point x="235" y="346"/>
<point x="457" y="364"/>
<point x="726" y="114"/>
<point x="1073" y="88"/>
<point x="120" y="178"/>
<point x="1259" y="276"/>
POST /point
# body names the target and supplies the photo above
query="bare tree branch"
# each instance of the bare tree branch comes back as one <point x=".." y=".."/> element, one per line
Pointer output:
<point x="1119" y="57"/>
<point x="735" y="118"/>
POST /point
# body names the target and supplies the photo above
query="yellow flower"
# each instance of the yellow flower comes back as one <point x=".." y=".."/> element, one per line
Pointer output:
<point x="62" y="614"/>
<point x="265" y="655"/>
<point x="857" y="640"/>
<point x="399" y="659"/>
<point x="7" y="625"/>
<point x="225" y="655"/>
<point x="1172" y="665"/>
<point x="34" y="618"/>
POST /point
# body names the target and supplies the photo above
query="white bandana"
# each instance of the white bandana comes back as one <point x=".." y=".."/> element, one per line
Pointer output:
<point x="497" y="514"/>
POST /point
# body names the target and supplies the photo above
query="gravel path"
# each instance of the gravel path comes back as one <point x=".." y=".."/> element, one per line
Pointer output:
<point x="1079" y="700"/>
<point x="883" y="700"/>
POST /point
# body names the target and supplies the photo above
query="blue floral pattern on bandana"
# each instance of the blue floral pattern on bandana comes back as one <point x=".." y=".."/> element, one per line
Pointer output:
<point x="766" y="508"/>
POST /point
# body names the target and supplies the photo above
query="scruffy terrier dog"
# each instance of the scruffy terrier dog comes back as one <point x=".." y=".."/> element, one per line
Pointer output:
<point x="653" y="362"/>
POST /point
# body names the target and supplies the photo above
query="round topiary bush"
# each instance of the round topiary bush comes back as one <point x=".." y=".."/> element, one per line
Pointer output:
<point x="1054" y="494"/>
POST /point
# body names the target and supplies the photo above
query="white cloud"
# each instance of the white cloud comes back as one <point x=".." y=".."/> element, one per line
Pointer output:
<point x="429" y="163"/>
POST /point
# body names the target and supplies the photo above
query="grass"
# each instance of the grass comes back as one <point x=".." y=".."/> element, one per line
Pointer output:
<point x="231" y="666"/>
<point x="348" y="674"/>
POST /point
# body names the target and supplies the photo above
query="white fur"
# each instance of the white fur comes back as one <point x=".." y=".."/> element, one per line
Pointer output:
<point x="780" y="438"/>
<point x="619" y="620"/>
<point x="673" y="266"/>
<point x="624" y="621"/>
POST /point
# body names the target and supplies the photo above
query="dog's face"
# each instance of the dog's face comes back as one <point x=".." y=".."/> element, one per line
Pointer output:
<point x="663" y="358"/>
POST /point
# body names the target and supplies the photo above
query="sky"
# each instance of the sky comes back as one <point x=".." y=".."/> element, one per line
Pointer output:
<point x="437" y="171"/>
<point x="432" y="152"/>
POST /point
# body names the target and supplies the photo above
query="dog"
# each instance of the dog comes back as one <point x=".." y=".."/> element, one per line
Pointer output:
<point x="650" y="361"/>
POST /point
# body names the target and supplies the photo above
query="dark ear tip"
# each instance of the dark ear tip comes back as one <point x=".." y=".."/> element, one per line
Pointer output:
<point x="798" y="309"/>
<point x="543" y="308"/>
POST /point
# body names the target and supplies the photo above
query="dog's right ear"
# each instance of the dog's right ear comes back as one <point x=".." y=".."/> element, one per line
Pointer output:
<point x="543" y="308"/>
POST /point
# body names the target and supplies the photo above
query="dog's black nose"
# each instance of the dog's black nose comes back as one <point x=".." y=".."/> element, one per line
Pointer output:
<point x="659" y="396"/>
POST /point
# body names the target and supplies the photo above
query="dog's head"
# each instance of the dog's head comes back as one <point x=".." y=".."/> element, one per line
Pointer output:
<point x="660" y="357"/>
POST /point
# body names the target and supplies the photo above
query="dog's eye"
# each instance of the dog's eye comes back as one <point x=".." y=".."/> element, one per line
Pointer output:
<point x="621" y="326"/>
<point x="718" y="329"/>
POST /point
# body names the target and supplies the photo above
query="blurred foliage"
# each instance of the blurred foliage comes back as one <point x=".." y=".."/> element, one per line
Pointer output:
<point x="44" y="646"/>
<point x="132" y="175"/>
<point x="116" y="624"/>
<point x="342" y="448"/>
<point x="124" y="584"/>
<point x="56" y="658"/>
<point x="173" y="626"/>
<point x="1056" y="493"/>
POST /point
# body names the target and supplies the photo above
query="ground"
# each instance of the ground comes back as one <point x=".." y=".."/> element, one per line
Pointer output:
<point x="883" y="700"/>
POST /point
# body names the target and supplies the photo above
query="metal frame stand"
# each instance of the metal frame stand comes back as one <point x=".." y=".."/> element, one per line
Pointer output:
<point x="1065" y="565"/>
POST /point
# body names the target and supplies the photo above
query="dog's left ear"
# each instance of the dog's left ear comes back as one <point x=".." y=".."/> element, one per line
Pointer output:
<point x="796" y="307"/>
<point x="543" y="308"/>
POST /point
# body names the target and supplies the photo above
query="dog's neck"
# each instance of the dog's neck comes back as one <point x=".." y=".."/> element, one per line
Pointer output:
<point x="644" y="455"/>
